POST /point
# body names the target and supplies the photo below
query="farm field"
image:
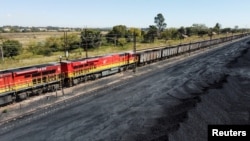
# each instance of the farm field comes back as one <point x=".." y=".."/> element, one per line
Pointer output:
<point x="25" y="38"/>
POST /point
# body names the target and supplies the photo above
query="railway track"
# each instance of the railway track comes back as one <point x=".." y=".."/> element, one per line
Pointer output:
<point x="38" y="113"/>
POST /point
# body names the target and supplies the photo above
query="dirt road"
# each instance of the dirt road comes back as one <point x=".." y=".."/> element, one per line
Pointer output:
<point x="173" y="103"/>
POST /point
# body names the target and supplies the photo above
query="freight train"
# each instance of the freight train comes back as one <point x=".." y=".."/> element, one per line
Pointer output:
<point x="19" y="83"/>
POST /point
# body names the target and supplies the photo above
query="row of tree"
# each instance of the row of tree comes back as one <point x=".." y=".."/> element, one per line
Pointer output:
<point x="119" y="35"/>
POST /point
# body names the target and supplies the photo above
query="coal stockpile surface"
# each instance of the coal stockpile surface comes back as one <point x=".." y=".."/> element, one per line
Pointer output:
<point x="174" y="103"/>
<point x="226" y="102"/>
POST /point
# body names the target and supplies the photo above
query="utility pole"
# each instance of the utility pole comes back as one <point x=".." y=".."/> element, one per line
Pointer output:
<point x="134" y="36"/>
<point x="86" y="42"/>
<point x="61" y="81"/>
<point x="115" y="40"/>
<point x="2" y="53"/>
<point x="65" y="44"/>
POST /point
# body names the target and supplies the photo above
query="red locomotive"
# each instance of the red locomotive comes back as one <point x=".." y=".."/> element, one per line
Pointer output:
<point x="77" y="71"/>
<point x="19" y="83"/>
<point x="6" y="87"/>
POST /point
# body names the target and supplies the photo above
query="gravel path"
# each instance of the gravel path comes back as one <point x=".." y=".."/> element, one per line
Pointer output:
<point x="174" y="103"/>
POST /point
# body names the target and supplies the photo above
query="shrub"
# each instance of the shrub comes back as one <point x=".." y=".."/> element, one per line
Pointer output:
<point x="5" y="111"/>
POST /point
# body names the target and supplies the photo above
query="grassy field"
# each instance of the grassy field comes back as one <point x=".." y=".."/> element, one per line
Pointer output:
<point x="26" y="38"/>
<point x="27" y="58"/>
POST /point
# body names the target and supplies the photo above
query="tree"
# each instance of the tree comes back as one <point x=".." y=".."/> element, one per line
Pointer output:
<point x="90" y="38"/>
<point x="189" y="31"/>
<point x="12" y="48"/>
<point x="171" y="33"/>
<point x="174" y="33"/>
<point x="166" y="34"/>
<point x="42" y="49"/>
<point x="199" y="29"/>
<point x="111" y="37"/>
<point x="45" y="51"/>
<point x="160" y="24"/>
<point x="151" y="34"/>
<point x="134" y="32"/>
<point x="202" y="32"/>
<point x="137" y="31"/>
<point x="226" y="30"/>
<point x="182" y="32"/>
<point x="236" y="29"/>
<point x="211" y="33"/>
<point x="32" y="47"/>
<point x="54" y="44"/>
<point x="217" y="28"/>
<point x="73" y="41"/>
<point x="122" y="41"/>
<point x="118" y="31"/>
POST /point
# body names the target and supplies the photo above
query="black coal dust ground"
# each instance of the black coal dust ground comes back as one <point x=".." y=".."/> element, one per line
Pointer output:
<point x="173" y="103"/>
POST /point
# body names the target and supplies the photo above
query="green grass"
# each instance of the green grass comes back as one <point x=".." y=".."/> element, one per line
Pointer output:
<point x="27" y="58"/>
<point x="26" y="38"/>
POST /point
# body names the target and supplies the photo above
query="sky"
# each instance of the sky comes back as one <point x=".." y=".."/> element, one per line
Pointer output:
<point x="131" y="13"/>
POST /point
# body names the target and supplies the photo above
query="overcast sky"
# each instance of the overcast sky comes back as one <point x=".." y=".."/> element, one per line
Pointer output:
<point x="132" y="13"/>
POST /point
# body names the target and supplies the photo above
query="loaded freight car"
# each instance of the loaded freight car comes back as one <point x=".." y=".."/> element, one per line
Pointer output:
<point x="80" y="70"/>
<point x="184" y="48"/>
<point x="169" y="51"/>
<point x="194" y="46"/>
<point x="149" y="56"/>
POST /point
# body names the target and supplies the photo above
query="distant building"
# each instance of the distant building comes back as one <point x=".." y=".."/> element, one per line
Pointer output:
<point x="52" y="30"/>
<point x="63" y="29"/>
<point x="24" y="30"/>
<point x="214" y="33"/>
<point x="104" y="32"/>
<point x="184" y="36"/>
<point x="6" y="29"/>
<point x="42" y="29"/>
<point x="66" y="29"/>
